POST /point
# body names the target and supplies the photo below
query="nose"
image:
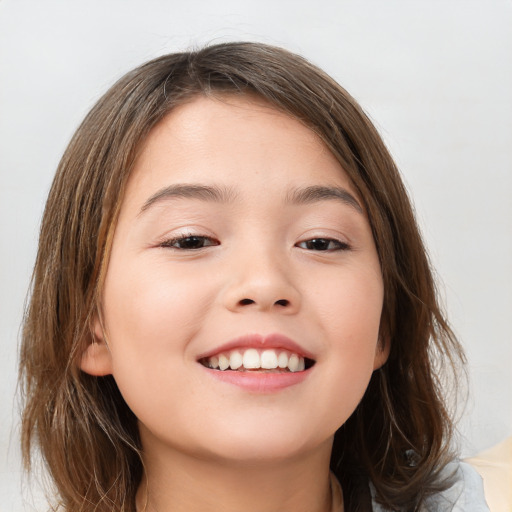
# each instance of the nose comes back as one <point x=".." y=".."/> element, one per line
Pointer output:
<point x="262" y="282"/>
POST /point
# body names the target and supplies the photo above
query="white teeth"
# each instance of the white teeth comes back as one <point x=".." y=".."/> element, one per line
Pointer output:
<point x="282" y="360"/>
<point x="268" y="359"/>
<point x="235" y="360"/>
<point x="293" y="363"/>
<point x="251" y="359"/>
<point x="223" y="362"/>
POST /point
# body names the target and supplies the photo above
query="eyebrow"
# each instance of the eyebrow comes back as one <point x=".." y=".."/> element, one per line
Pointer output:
<point x="212" y="193"/>
<point x="317" y="193"/>
<point x="191" y="191"/>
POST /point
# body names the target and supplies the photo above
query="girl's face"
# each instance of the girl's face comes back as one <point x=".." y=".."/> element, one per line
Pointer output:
<point x="241" y="243"/>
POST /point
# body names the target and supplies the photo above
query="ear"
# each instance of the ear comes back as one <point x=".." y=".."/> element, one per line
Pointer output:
<point x="96" y="359"/>
<point x="381" y="352"/>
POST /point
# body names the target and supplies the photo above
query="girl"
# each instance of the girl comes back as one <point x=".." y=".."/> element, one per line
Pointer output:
<point x="232" y="307"/>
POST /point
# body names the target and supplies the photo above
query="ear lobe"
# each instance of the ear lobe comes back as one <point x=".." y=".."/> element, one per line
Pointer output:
<point x="96" y="359"/>
<point x="381" y="352"/>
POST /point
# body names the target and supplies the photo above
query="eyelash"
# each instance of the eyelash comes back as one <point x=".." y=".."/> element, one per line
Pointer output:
<point x="180" y="239"/>
<point x="324" y="242"/>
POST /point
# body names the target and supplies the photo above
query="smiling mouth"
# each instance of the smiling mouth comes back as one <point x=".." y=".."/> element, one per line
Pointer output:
<point x="254" y="360"/>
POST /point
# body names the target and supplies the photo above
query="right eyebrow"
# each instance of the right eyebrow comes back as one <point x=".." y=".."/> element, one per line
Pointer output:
<point x="190" y="191"/>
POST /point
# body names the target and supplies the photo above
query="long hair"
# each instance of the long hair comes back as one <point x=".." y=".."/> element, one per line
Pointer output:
<point x="398" y="439"/>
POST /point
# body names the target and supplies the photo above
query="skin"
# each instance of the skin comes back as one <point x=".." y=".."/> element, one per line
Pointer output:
<point x="210" y="445"/>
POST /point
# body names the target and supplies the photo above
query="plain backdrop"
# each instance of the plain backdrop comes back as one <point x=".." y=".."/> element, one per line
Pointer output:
<point x="435" y="76"/>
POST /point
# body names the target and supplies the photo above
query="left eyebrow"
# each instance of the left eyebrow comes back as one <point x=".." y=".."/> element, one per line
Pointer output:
<point x="317" y="193"/>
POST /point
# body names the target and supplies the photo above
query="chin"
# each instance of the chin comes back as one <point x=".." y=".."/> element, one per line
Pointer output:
<point x="257" y="443"/>
<point x="256" y="453"/>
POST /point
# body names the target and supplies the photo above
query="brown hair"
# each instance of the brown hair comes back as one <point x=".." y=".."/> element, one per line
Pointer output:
<point x="399" y="436"/>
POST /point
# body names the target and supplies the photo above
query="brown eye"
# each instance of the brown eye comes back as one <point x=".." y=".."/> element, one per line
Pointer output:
<point x="192" y="242"/>
<point x="323" y="244"/>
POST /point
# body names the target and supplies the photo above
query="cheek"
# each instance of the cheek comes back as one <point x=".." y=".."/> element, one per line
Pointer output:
<point x="150" y="316"/>
<point x="350" y="308"/>
<point x="350" y="315"/>
<point x="152" y="303"/>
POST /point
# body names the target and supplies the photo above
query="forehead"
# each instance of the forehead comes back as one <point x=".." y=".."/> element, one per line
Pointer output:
<point x="242" y="142"/>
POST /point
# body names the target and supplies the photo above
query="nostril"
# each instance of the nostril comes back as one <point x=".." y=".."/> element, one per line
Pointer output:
<point x="280" y="302"/>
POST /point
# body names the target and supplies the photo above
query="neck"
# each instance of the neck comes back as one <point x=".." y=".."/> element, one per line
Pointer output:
<point x="179" y="482"/>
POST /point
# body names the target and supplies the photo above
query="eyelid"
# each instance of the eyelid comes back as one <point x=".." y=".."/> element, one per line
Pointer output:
<point x="326" y="232"/>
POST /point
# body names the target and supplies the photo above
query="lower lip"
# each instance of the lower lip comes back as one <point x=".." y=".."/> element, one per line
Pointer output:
<point x="257" y="382"/>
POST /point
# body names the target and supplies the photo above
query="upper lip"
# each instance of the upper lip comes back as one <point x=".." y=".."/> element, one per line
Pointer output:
<point x="269" y="341"/>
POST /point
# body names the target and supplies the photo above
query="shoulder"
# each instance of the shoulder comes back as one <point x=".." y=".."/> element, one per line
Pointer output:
<point x="495" y="467"/>
<point x="465" y="495"/>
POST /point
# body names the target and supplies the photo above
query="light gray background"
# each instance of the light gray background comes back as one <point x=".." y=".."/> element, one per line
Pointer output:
<point x="435" y="76"/>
